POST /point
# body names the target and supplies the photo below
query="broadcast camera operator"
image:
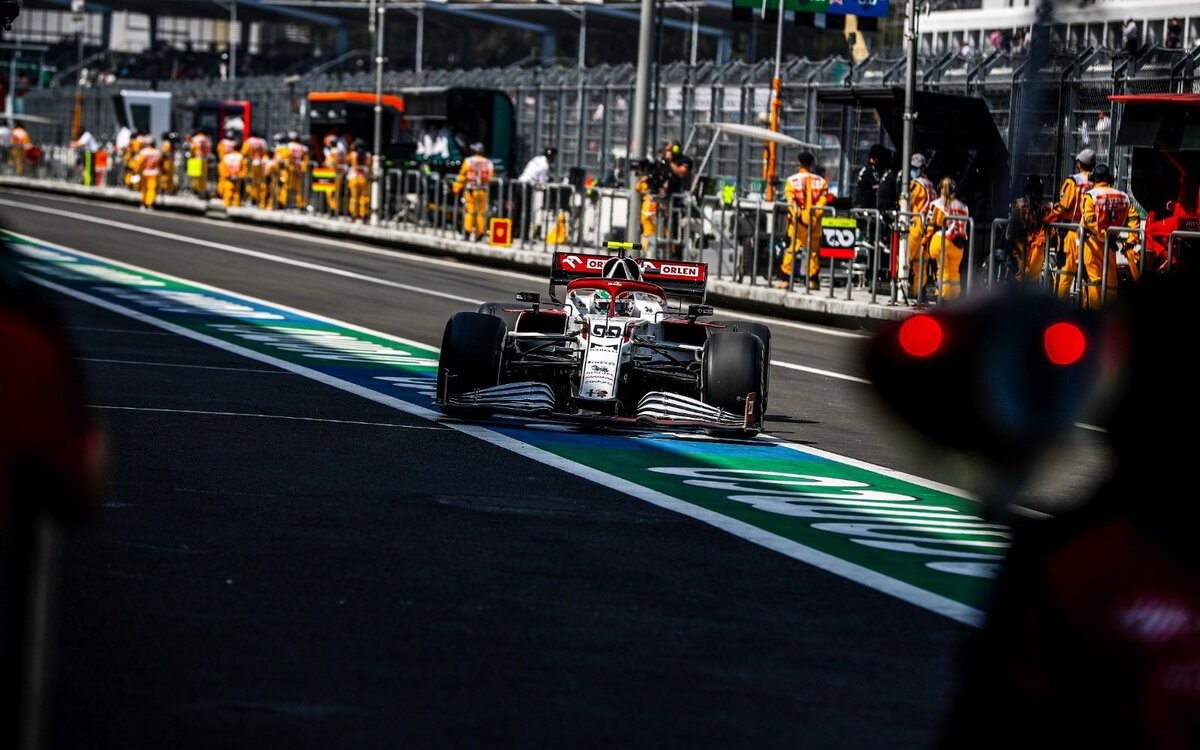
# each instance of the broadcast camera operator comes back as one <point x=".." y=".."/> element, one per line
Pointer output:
<point x="674" y="175"/>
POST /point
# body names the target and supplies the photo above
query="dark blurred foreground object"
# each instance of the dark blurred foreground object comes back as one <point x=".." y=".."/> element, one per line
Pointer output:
<point x="996" y="377"/>
<point x="1092" y="636"/>
<point x="51" y="459"/>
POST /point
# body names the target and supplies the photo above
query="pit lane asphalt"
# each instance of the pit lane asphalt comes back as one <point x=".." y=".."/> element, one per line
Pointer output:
<point x="283" y="565"/>
<point x="376" y="580"/>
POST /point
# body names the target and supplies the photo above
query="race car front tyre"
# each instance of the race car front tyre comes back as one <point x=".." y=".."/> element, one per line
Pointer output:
<point x="764" y="333"/>
<point x="734" y="367"/>
<point x="472" y="355"/>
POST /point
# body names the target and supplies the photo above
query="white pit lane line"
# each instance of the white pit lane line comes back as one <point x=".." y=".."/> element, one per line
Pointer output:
<point x="359" y="246"/>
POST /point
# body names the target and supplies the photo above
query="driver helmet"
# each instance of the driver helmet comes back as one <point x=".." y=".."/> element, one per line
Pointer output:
<point x="600" y="301"/>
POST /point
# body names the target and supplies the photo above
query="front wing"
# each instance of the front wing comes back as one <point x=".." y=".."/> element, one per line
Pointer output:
<point x="656" y="409"/>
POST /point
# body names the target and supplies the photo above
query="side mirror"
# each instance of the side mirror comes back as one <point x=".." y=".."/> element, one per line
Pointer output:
<point x="696" y="311"/>
<point x="532" y="298"/>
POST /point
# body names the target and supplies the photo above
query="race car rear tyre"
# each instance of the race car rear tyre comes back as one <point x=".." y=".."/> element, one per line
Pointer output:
<point x="472" y="355"/>
<point x="764" y="333"/>
<point x="734" y="366"/>
<point x="498" y="310"/>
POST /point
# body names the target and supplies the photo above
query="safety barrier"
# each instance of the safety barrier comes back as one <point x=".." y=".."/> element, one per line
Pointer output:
<point x="1181" y="234"/>
<point x="875" y="222"/>
<point x="739" y="238"/>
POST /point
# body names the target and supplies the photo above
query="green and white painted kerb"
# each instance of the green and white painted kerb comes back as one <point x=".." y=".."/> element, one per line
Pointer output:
<point x="920" y="542"/>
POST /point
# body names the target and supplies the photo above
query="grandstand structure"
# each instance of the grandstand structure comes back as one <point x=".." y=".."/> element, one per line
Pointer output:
<point x="1077" y="24"/>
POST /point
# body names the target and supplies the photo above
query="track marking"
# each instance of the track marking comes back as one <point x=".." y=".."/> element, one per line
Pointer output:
<point x="170" y="364"/>
<point x="263" y="416"/>
<point x="246" y="252"/>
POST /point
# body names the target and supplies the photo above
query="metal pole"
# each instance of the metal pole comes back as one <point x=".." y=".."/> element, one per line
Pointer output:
<point x="695" y="34"/>
<point x="769" y="172"/>
<point x="641" y="106"/>
<point x="582" y="37"/>
<point x="376" y="170"/>
<point x="233" y="41"/>
<point x="420" y="36"/>
<point x="77" y="120"/>
<point x="906" y="148"/>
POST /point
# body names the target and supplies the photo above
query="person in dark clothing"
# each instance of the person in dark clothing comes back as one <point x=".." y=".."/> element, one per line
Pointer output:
<point x="888" y="201"/>
<point x="866" y="195"/>
<point x="1092" y="635"/>
<point x="1174" y="38"/>
<point x="866" y="180"/>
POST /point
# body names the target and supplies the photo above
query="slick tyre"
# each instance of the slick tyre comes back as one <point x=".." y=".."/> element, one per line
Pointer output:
<point x="496" y="309"/>
<point x="764" y="335"/>
<point x="734" y="367"/>
<point x="471" y="357"/>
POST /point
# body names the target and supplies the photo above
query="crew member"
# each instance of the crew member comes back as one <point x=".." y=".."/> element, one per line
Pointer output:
<point x="806" y="193"/>
<point x="255" y="153"/>
<point x="646" y="188"/>
<point x="200" y="149"/>
<point x="19" y="143"/>
<point x="336" y="157"/>
<point x="281" y="159"/>
<point x="149" y="165"/>
<point x="946" y="236"/>
<point x="472" y="184"/>
<point x="168" y="183"/>
<point x="535" y="176"/>
<point x="1026" y="231"/>
<point x="87" y="146"/>
<point x="229" y="186"/>
<point x="1069" y="208"/>
<point x="292" y="192"/>
<point x="233" y="172"/>
<point x="866" y="196"/>
<point x="1104" y="207"/>
<point x="358" y="170"/>
<point x="682" y="179"/>
<point x="920" y="194"/>
<point x="132" y="177"/>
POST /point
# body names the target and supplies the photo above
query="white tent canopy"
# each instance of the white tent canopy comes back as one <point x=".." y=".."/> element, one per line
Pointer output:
<point x="747" y="131"/>
<point x="758" y="132"/>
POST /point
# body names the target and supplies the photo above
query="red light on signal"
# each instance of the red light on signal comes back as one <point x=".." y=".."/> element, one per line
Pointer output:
<point x="1064" y="343"/>
<point x="920" y="336"/>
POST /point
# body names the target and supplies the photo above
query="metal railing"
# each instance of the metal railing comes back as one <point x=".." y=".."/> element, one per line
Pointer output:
<point x="741" y="239"/>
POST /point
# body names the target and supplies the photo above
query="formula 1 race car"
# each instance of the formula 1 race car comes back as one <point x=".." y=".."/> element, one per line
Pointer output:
<point x="619" y="349"/>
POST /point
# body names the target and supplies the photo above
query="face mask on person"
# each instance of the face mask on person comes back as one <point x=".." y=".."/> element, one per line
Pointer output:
<point x="914" y="173"/>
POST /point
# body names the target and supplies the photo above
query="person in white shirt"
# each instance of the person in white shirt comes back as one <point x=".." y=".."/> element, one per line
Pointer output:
<point x="523" y="202"/>
<point x="87" y="147"/>
<point x="537" y="169"/>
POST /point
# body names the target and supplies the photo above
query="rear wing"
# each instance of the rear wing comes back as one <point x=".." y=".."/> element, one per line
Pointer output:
<point x="682" y="281"/>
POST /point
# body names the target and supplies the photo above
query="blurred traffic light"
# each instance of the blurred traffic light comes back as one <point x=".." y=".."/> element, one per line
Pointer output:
<point x="999" y="375"/>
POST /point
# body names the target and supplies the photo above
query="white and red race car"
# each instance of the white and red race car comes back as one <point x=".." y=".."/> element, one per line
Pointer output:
<point x="620" y="348"/>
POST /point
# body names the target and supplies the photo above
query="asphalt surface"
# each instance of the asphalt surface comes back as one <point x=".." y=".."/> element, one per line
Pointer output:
<point x="283" y="564"/>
